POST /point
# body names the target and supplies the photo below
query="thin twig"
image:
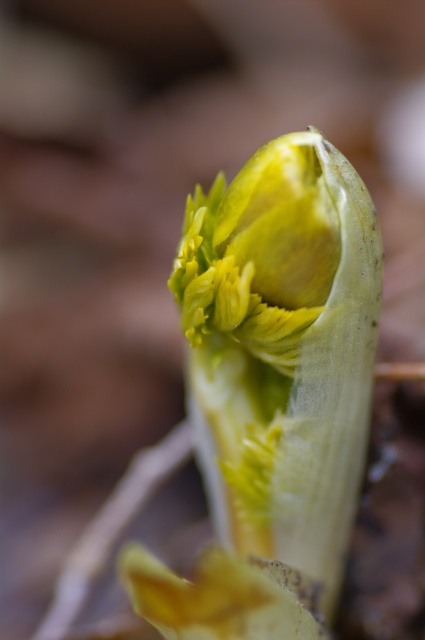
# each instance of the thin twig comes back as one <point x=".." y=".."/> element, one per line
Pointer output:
<point x="119" y="626"/>
<point x="400" y="371"/>
<point x="149" y="470"/>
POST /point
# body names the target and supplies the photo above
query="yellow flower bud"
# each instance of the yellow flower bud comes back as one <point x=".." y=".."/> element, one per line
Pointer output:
<point x="278" y="214"/>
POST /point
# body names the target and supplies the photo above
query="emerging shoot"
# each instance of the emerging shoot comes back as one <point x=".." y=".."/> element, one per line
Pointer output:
<point x="278" y="278"/>
<point x="279" y="282"/>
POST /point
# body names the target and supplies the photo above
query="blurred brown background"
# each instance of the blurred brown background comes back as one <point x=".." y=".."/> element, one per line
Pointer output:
<point x="109" y="114"/>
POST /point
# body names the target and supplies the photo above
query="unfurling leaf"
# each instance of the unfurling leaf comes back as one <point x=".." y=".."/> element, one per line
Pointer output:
<point x="282" y="310"/>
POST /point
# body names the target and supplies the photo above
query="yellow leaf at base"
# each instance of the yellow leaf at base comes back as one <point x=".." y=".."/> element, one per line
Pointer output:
<point x="229" y="599"/>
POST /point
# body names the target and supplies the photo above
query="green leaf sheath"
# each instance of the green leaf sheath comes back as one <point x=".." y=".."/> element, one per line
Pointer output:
<point x="278" y="278"/>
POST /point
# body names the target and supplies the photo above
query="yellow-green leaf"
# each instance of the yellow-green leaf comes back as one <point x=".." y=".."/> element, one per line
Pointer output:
<point x="228" y="598"/>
